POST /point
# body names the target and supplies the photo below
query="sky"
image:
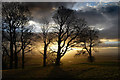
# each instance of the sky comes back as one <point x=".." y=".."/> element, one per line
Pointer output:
<point x="101" y="15"/>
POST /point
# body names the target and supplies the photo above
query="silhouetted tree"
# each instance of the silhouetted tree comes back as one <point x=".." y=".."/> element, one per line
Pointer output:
<point x="14" y="16"/>
<point x="90" y="37"/>
<point x="26" y="42"/>
<point x="46" y="36"/>
<point x="5" y="56"/>
<point x="5" y="50"/>
<point x="69" y="26"/>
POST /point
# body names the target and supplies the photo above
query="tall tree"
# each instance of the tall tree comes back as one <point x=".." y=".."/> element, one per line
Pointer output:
<point x="69" y="26"/>
<point x="14" y="16"/>
<point x="26" y="42"/>
<point x="46" y="36"/>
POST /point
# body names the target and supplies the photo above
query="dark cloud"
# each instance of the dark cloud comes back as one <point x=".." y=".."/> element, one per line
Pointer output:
<point x="110" y="10"/>
<point x="48" y="5"/>
<point x="92" y="16"/>
<point x="40" y="9"/>
<point x="102" y="17"/>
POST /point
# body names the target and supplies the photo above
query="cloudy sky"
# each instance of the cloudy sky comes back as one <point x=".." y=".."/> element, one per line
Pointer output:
<point x="102" y="15"/>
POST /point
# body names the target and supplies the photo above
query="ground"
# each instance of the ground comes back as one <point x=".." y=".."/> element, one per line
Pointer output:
<point x="104" y="68"/>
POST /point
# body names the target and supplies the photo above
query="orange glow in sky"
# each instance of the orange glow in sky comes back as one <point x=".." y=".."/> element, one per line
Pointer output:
<point x="108" y="40"/>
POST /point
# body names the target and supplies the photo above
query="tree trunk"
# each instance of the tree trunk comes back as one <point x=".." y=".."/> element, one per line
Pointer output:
<point x="16" y="59"/>
<point x="59" y="47"/>
<point x="58" y="61"/>
<point x="15" y="52"/>
<point x="11" y="49"/>
<point x="23" y="58"/>
<point x="58" y="58"/>
<point x="90" y="51"/>
<point x="44" y="56"/>
<point x="22" y="47"/>
<point x="11" y="55"/>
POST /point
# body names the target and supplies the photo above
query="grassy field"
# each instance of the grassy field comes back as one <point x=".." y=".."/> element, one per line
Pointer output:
<point x="104" y="68"/>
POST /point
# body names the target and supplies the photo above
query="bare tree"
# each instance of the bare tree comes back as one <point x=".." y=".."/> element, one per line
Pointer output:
<point x="90" y="37"/>
<point x="26" y="42"/>
<point x="14" y="16"/>
<point x="69" y="26"/>
<point x="46" y="36"/>
<point x="5" y="55"/>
